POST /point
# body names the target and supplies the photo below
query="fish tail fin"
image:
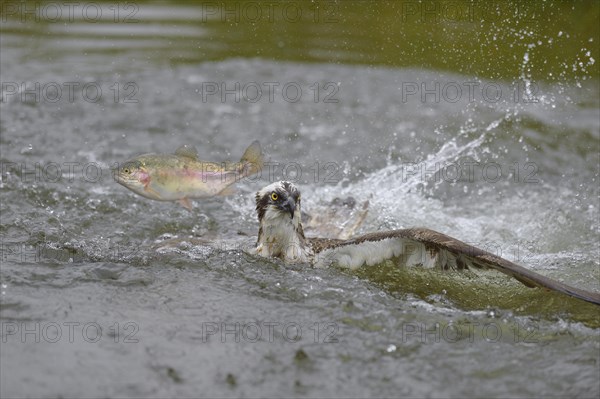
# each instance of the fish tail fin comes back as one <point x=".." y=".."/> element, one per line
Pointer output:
<point x="254" y="157"/>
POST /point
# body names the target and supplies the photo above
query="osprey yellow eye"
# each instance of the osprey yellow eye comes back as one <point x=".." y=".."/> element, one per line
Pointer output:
<point x="274" y="196"/>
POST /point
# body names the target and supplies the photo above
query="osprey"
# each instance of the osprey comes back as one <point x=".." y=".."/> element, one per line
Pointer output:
<point x="281" y="235"/>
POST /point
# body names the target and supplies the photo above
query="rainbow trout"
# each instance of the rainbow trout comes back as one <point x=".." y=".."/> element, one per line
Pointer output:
<point x="181" y="176"/>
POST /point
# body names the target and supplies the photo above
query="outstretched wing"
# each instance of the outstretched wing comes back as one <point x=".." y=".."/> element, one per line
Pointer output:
<point x="428" y="248"/>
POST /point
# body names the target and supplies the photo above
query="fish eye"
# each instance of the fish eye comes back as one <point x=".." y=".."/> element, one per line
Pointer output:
<point x="274" y="196"/>
<point x="130" y="167"/>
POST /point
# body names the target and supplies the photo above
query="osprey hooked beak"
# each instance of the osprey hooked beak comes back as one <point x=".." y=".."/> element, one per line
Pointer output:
<point x="288" y="206"/>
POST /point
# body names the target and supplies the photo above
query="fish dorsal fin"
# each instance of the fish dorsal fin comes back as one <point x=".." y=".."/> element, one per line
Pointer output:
<point x="187" y="150"/>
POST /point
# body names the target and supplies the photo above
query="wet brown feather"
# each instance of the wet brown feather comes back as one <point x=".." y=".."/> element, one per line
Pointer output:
<point x="435" y="242"/>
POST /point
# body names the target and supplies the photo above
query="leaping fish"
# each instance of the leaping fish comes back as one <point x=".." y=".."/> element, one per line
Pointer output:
<point x="181" y="176"/>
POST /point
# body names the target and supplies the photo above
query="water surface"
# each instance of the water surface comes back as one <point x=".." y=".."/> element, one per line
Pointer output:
<point x="484" y="126"/>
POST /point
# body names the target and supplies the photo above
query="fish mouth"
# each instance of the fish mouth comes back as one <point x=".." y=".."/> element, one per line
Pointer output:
<point x="119" y="178"/>
<point x="127" y="181"/>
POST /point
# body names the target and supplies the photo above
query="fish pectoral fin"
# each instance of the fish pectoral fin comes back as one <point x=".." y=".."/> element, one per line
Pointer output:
<point x="229" y="190"/>
<point x="150" y="190"/>
<point x="188" y="151"/>
<point x="186" y="203"/>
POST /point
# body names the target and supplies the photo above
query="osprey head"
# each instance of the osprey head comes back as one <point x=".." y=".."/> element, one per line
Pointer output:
<point x="278" y="200"/>
<point x="280" y="233"/>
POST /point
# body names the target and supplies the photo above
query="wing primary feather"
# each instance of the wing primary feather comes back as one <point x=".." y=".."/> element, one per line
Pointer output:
<point x="463" y="256"/>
